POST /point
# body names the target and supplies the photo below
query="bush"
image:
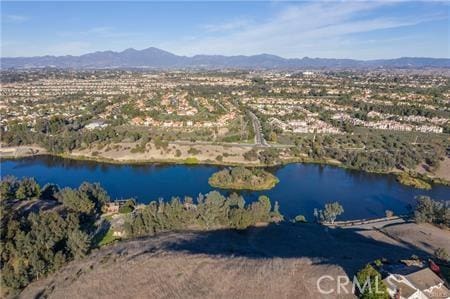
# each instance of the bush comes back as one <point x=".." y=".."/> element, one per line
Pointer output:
<point x="389" y="213"/>
<point x="378" y="263"/>
<point x="408" y="180"/>
<point x="269" y="156"/>
<point x="251" y="155"/>
<point x="300" y="218"/>
<point x="191" y="160"/>
<point x="193" y="151"/>
<point x="442" y="254"/>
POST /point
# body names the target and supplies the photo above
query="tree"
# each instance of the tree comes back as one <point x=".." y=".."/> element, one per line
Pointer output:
<point x="78" y="243"/>
<point x="96" y="194"/>
<point x="28" y="189"/>
<point x="371" y="285"/>
<point x="75" y="200"/>
<point x="8" y="187"/>
<point x="432" y="211"/>
<point x="331" y="211"/>
<point x="269" y="156"/>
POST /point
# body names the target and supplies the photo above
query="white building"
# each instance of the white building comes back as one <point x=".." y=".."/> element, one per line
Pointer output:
<point x="421" y="284"/>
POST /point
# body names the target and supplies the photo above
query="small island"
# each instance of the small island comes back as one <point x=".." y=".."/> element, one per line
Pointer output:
<point x="241" y="178"/>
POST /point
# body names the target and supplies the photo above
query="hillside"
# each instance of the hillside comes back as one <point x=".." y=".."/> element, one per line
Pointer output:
<point x="277" y="261"/>
<point x="155" y="58"/>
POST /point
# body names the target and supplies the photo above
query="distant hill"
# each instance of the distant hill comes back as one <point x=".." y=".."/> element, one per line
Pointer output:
<point x="159" y="59"/>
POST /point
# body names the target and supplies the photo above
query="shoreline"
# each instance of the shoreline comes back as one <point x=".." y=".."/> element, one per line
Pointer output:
<point x="39" y="151"/>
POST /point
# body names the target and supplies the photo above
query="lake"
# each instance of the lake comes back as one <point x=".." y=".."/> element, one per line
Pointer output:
<point x="302" y="187"/>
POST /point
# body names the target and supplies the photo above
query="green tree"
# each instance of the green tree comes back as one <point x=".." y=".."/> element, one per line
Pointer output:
<point x="432" y="211"/>
<point x="371" y="284"/>
<point x="75" y="200"/>
<point x="78" y="243"/>
<point x="331" y="211"/>
<point x="28" y="189"/>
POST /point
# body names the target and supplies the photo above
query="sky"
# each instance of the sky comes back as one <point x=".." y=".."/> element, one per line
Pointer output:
<point x="328" y="29"/>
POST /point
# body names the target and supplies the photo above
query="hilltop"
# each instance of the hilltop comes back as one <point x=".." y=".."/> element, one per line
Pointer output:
<point x="273" y="261"/>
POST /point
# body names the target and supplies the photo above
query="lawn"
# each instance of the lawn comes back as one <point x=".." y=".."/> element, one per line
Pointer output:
<point x="108" y="238"/>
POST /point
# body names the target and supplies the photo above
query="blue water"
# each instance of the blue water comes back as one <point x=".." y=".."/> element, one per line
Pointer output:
<point x="302" y="187"/>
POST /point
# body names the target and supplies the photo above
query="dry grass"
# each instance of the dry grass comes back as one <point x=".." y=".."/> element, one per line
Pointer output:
<point x="276" y="261"/>
<point x="121" y="152"/>
<point x="443" y="172"/>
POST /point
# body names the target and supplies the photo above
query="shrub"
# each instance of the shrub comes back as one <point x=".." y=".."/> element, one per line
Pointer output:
<point x="251" y="155"/>
<point x="442" y="254"/>
<point x="300" y="218"/>
<point x="389" y="213"/>
<point x="191" y="160"/>
<point x="378" y="263"/>
<point x="193" y="151"/>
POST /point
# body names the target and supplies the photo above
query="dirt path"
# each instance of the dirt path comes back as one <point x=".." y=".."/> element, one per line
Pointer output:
<point x="21" y="151"/>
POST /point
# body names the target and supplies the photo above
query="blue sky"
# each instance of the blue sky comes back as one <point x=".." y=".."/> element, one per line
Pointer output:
<point x="334" y="29"/>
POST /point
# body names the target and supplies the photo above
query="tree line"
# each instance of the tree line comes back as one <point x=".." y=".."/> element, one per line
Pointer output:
<point x="212" y="210"/>
<point x="44" y="228"/>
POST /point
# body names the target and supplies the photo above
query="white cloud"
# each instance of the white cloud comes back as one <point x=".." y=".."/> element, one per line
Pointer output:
<point x="313" y="29"/>
<point x="16" y="19"/>
<point x="227" y="26"/>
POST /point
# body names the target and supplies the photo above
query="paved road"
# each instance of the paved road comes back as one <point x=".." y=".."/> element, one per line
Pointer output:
<point x="259" y="137"/>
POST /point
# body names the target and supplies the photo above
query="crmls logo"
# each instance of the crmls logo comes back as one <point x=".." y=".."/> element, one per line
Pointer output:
<point x="342" y="284"/>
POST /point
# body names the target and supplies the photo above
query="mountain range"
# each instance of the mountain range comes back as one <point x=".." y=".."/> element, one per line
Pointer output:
<point x="155" y="58"/>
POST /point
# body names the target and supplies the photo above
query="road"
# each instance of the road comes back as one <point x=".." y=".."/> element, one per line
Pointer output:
<point x="371" y="224"/>
<point x="259" y="137"/>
